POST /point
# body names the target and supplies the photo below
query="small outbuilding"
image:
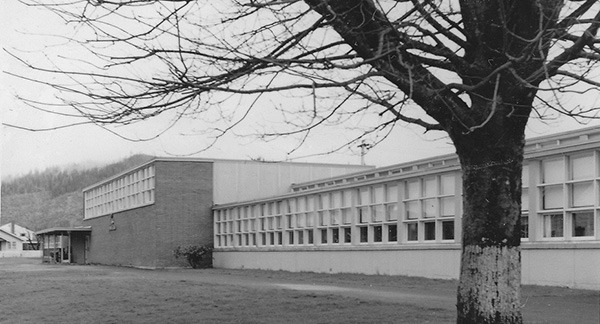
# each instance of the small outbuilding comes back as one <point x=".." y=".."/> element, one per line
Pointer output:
<point x="65" y="244"/>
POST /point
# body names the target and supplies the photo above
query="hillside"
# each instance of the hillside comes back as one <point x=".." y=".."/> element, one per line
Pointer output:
<point x="53" y="197"/>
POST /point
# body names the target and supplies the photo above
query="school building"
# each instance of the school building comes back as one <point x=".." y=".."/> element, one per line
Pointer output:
<point x="403" y="219"/>
<point x="406" y="219"/>
<point x="139" y="217"/>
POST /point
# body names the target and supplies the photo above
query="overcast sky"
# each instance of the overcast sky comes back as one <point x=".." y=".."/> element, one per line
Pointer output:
<point x="22" y="151"/>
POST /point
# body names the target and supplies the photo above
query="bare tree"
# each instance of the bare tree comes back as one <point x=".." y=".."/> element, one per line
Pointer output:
<point x="476" y="69"/>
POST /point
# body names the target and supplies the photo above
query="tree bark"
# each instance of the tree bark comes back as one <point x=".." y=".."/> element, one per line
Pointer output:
<point x="490" y="275"/>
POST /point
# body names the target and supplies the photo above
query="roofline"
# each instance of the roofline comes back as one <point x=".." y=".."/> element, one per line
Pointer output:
<point x="64" y="229"/>
<point x="209" y="160"/>
<point x="11" y="234"/>
<point x="530" y="149"/>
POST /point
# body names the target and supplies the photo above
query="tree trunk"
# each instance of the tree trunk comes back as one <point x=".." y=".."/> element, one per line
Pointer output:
<point x="490" y="275"/>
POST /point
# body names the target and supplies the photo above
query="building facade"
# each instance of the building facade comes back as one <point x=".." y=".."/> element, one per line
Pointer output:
<point x="139" y="217"/>
<point x="17" y="241"/>
<point x="406" y="219"/>
<point x="65" y="244"/>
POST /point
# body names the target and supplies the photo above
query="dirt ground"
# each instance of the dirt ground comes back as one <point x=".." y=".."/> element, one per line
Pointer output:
<point x="35" y="292"/>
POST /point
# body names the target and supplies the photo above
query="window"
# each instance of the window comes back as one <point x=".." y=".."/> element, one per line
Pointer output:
<point x="553" y="225"/>
<point x="583" y="224"/>
<point x="335" y="235"/>
<point x="429" y="231"/>
<point x="568" y="193"/>
<point x="377" y="233"/>
<point x="429" y="203"/>
<point x="323" y="236"/>
<point x="448" y="230"/>
<point x="347" y="235"/>
<point x="392" y="233"/>
<point x="412" y="232"/>
<point x="553" y="171"/>
<point x="524" y="226"/>
<point x="132" y="190"/>
<point x="364" y="234"/>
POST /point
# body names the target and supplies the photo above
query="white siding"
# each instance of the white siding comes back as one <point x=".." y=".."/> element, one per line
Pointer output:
<point x="247" y="180"/>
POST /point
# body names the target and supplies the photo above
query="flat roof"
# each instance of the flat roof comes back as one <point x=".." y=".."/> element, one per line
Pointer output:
<point x="64" y="230"/>
<point x="209" y="160"/>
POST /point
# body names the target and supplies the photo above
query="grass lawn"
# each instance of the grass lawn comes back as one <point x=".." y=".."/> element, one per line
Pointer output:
<point x="35" y="292"/>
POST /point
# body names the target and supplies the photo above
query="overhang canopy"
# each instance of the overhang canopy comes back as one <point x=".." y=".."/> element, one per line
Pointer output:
<point x="64" y="230"/>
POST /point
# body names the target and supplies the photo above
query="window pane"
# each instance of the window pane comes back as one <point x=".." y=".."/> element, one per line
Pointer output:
<point x="337" y="199"/>
<point x="447" y="184"/>
<point x="391" y="211"/>
<point x="448" y="230"/>
<point x="429" y="187"/>
<point x="363" y="214"/>
<point x="582" y="194"/>
<point x="447" y="206"/>
<point x="525" y="176"/>
<point x="300" y="220"/>
<point x="310" y="237"/>
<point x="377" y="213"/>
<point x="392" y="233"/>
<point x="364" y="196"/>
<point x="335" y="235"/>
<point x="347" y="198"/>
<point x="291" y="237"/>
<point x="412" y="209"/>
<point x="553" y="171"/>
<point x="335" y="217"/>
<point x="582" y="167"/>
<point x="412" y="232"/>
<point x="377" y="233"/>
<point x="378" y="194"/>
<point x="347" y="235"/>
<point x="429" y="208"/>
<point x="524" y="226"/>
<point x="323" y="219"/>
<point x="552" y="197"/>
<point x="583" y="224"/>
<point x="346" y="216"/>
<point x="300" y="237"/>
<point x="310" y="219"/>
<point x="429" y="231"/>
<point x="525" y="199"/>
<point x="307" y="204"/>
<point x="553" y="225"/>
<point x="412" y="189"/>
<point x="324" y="200"/>
<point x="323" y="236"/>
<point x="364" y="236"/>
<point x="392" y="193"/>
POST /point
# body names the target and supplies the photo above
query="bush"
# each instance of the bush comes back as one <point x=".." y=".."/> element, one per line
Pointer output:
<point x="196" y="256"/>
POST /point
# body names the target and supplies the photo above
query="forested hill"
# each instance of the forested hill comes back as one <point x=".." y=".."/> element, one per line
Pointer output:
<point x="53" y="197"/>
<point x="57" y="182"/>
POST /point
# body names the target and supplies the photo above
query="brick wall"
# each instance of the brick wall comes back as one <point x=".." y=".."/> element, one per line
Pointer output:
<point x="147" y="236"/>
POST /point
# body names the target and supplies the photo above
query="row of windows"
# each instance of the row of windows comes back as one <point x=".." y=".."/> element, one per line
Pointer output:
<point x="385" y="233"/>
<point x="129" y="191"/>
<point x="380" y="213"/>
<point x="564" y="191"/>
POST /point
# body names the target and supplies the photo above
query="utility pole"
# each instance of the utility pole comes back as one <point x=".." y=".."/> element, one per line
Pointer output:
<point x="364" y="147"/>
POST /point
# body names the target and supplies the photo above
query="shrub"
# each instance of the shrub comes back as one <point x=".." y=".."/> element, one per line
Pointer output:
<point x="198" y="256"/>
